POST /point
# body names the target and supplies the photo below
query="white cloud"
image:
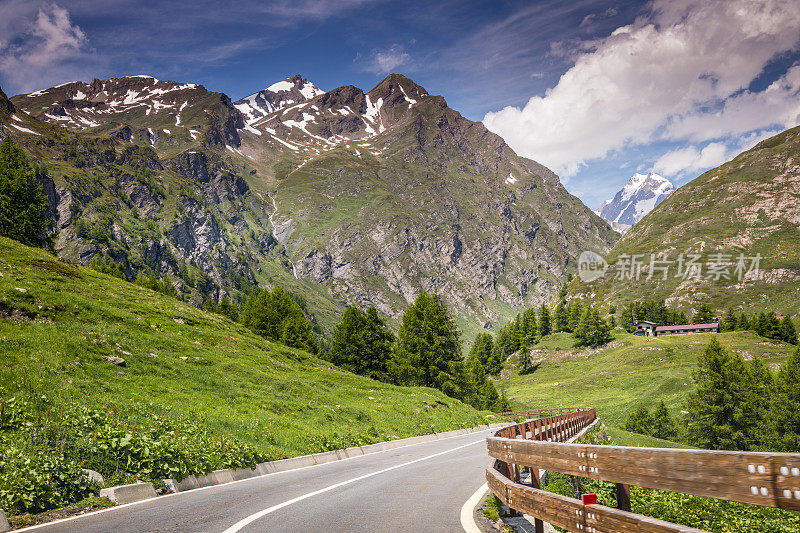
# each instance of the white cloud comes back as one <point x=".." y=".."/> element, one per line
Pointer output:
<point x="690" y="159"/>
<point x="41" y="48"/>
<point x="385" y="61"/>
<point x="680" y="73"/>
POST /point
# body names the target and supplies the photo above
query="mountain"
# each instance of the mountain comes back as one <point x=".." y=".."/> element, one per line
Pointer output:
<point x="639" y="196"/>
<point x="294" y="90"/>
<point x="344" y="196"/>
<point x="748" y="207"/>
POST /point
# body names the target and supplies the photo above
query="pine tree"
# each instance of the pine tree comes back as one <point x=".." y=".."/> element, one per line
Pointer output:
<point x="529" y="327"/>
<point x="663" y="426"/>
<point x="561" y="317"/>
<point x="362" y="343"/>
<point x="640" y="421"/>
<point x="267" y="313"/>
<point x="742" y="323"/>
<point x="544" y="321"/>
<point x="786" y="405"/>
<point x="484" y="350"/>
<point x="575" y="311"/>
<point x="593" y="330"/>
<point x="722" y="412"/>
<point x="787" y="331"/>
<point x="729" y="321"/>
<point x="23" y="207"/>
<point x="428" y="339"/>
<point x="703" y="314"/>
<point x="296" y="332"/>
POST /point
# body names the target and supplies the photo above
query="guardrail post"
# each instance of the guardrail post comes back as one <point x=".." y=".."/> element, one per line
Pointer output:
<point x="623" y="497"/>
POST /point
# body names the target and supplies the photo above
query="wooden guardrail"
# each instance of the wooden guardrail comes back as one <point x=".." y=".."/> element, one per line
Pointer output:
<point x="766" y="479"/>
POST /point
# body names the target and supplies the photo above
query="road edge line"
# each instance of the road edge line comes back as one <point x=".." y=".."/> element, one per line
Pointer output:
<point x="468" y="510"/>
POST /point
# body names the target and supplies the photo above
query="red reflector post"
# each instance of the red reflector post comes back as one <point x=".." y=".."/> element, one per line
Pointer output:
<point x="589" y="499"/>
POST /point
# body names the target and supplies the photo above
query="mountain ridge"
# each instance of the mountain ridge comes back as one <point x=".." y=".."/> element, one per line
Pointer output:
<point x="348" y="196"/>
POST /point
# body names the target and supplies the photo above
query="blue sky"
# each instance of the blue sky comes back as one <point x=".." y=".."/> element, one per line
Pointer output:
<point x="596" y="90"/>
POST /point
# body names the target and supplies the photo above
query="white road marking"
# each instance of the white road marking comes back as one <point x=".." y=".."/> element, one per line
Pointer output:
<point x="212" y="487"/>
<point x="253" y="517"/>
<point x="467" y="516"/>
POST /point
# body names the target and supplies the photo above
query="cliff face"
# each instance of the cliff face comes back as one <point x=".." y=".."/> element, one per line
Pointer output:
<point x="373" y="195"/>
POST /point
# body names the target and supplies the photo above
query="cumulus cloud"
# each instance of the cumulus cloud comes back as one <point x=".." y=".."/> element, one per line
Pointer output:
<point x="680" y="73"/>
<point x="42" y="48"/>
<point x="690" y="159"/>
<point x="386" y="60"/>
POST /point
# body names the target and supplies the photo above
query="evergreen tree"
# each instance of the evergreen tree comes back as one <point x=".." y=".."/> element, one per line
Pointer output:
<point x="484" y="350"/>
<point x="663" y="426"/>
<point x="593" y="330"/>
<point x="787" y="331"/>
<point x="786" y="405"/>
<point x="561" y="317"/>
<point x="640" y="421"/>
<point x="267" y="314"/>
<point x="362" y="343"/>
<point x="296" y="332"/>
<point x="428" y="340"/>
<point x="742" y="323"/>
<point x="529" y="329"/>
<point x="544" y="321"/>
<point x="23" y="207"/>
<point x="575" y="312"/>
<point x="722" y="412"/>
<point x="703" y="314"/>
<point x="729" y="321"/>
<point x="227" y="309"/>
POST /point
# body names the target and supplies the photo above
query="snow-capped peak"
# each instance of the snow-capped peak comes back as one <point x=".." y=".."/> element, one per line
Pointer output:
<point x="281" y="94"/>
<point x="639" y="196"/>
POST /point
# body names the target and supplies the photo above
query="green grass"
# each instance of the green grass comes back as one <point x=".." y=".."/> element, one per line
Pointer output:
<point x="627" y="372"/>
<point x="187" y="363"/>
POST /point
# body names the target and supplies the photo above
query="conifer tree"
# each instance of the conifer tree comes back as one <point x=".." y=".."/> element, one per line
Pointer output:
<point x="362" y="343"/>
<point x="722" y="412"/>
<point x="663" y="426"/>
<point x="742" y="323"/>
<point x="23" y="207"/>
<point x="561" y="317"/>
<point x="729" y="321"/>
<point x="703" y="314"/>
<point x="266" y="313"/>
<point x="787" y="331"/>
<point x="544" y="321"/>
<point x="593" y="330"/>
<point x="429" y="340"/>
<point x="640" y="421"/>
<point x="786" y="405"/>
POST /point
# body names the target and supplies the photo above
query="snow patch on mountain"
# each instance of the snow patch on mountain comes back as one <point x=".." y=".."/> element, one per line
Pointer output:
<point x="641" y="194"/>
<point x="289" y="92"/>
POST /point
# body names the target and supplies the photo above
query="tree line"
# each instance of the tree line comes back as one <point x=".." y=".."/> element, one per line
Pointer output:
<point x="737" y="405"/>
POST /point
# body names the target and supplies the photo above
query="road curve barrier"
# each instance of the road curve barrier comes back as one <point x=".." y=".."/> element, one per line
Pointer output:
<point x="766" y="479"/>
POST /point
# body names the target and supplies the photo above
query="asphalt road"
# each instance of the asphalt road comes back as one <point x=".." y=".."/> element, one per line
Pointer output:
<point x="413" y="488"/>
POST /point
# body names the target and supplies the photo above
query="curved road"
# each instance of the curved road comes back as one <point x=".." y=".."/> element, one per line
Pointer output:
<point x="421" y="487"/>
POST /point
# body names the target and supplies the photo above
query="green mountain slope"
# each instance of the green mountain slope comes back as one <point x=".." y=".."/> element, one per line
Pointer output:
<point x="343" y="196"/>
<point x="60" y="323"/>
<point x="748" y="206"/>
<point x="628" y="372"/>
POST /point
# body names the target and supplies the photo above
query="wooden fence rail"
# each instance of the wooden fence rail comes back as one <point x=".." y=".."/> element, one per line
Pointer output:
<point x="766" y="479"/>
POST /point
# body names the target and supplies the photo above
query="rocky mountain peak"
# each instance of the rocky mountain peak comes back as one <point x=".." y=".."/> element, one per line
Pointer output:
<point x="291" y="91"/>
<point x="640" y="195"/>
<point x="397" y="89"/>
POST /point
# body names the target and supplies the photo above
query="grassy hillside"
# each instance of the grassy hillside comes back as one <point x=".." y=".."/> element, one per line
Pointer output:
<point x="60" y="323"/>
<point x="746" y="206"/>
<point x="629" y="371"/>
